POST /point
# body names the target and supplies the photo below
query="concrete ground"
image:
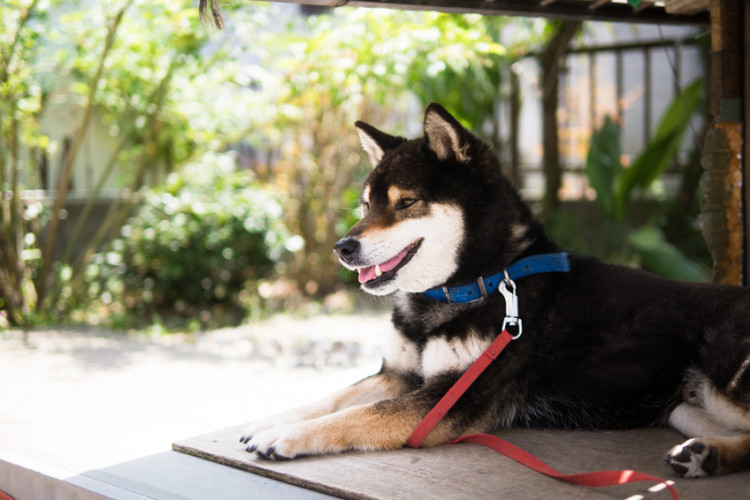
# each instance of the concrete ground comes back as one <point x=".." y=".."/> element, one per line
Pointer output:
<point x="91" y="397"/>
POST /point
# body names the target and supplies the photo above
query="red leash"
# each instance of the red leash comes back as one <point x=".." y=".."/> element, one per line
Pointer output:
<point x="455" y="392"/>
<point x="599" y="478"/>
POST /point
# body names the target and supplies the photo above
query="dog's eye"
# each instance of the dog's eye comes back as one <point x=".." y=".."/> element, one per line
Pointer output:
<point x="405" y="203"/>
<point x="365" y="207"/>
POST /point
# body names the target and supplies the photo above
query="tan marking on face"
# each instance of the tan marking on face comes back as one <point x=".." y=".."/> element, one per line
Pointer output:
<point x="384" y="233"/>
<point x="372" y="224"/>
<point x="365" y="200"/>
<point x="394" y="194"/>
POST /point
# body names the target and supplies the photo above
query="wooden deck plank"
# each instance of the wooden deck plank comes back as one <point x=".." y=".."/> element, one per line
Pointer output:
<point x="472" y="471"/>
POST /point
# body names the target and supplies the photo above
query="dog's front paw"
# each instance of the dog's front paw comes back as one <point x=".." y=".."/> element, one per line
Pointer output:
<point x="287" y="441"/>
<point x="271" y="444"/>
<point x="287" y="417"/>
<point x="693" y="459"/>
<point x="255" y="428"/>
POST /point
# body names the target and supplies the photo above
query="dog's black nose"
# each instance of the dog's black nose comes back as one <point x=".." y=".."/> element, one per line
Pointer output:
<point x="347" y="249"/>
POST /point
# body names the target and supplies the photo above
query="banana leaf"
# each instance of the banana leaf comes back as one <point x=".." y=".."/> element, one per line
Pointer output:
<point x="664" y="145"/>
<point x="662" y="257"/>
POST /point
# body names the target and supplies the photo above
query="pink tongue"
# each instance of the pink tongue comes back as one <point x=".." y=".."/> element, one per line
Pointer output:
<point x="368" y="273"/>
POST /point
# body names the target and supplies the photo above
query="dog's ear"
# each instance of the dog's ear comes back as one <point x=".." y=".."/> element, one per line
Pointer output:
<point x="375" y="142"/>
<point x="445" y="136"/>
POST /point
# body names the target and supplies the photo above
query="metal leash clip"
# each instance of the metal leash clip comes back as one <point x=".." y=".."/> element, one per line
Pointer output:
<point x="512" y="322"/>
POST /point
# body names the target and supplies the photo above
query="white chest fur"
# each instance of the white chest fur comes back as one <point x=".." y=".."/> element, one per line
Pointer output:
<point x="441" y="355"/>
<point x="438" y="356"/>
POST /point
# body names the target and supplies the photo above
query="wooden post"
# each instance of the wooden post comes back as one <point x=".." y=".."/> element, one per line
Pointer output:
<point x="552" y="57"/>
<point x="515" y="113"/>
<point x="725" y="207"/>
<point x="745" y="71"/>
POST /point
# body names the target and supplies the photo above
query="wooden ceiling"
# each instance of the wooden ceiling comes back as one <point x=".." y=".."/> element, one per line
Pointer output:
<point x="647" y="11"/>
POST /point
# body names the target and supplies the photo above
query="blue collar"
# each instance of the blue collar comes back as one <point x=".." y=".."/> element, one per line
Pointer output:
<point x="543" y="263"/>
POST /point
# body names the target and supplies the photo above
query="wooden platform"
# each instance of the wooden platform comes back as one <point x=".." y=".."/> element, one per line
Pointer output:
<point x="472" y="471"/>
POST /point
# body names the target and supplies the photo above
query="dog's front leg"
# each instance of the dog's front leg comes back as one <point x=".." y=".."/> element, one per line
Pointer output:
<point x="383" y="385"/>
<point x="385" y="425"/>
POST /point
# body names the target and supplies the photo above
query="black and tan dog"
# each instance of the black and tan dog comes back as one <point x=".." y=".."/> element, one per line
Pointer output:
<point x="603" y="346"/>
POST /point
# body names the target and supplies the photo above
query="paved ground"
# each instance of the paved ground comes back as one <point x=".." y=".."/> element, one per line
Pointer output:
<point x="93" y="398"/>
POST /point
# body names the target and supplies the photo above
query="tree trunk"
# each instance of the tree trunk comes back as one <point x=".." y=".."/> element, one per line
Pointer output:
<point x="552" y="58"/>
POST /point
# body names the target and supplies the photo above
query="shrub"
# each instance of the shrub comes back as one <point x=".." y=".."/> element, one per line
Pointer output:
<point x="202" y="239"/>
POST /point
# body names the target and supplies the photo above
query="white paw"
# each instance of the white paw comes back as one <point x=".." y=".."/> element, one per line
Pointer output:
<point x="255" y="428"/>
<point x="286" y="441"/>
<point x="287" y="417"/>
<point x="693" y="459"/>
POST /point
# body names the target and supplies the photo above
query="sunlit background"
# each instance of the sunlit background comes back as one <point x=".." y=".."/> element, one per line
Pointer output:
<point x="157" y="174"/>
<point x="170" y="194"/>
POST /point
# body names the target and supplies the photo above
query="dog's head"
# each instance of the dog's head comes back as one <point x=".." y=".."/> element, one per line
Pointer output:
<point x="424" y="207"/>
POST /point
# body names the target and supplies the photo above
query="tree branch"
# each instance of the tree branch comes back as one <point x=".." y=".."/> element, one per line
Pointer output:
<point x="44" y="278"/>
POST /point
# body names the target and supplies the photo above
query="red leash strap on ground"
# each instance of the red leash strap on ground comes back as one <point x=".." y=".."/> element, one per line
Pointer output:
<point x="595" y="479"/>
<point x="455" y="392"/>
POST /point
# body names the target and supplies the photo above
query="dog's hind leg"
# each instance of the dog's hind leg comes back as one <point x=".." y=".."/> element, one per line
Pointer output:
<point x="719" y="425"/>
<point x="703" y="457"/>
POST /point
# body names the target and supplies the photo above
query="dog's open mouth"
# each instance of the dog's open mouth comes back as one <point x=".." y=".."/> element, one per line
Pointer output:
<point x="386" y="270"/>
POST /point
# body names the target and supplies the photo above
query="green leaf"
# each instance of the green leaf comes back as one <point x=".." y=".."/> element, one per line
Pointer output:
<point x="680" y="110"/>
<point x="603" y="163"/>
<point x="663" y="146"/>
<point x="662" y="257"/>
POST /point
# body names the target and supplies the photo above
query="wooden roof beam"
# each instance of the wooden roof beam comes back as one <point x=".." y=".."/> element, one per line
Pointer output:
<point x="574" y="10"/>
<point x="686" y="7"/>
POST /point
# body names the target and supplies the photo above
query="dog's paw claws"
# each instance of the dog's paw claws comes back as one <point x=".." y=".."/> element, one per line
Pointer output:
<point x="279" y="443"/>
<point x="271" y="454"/>
<point x="693" y="459"/>
<point x="255" y="428"/>
<point x="268" y="454"/>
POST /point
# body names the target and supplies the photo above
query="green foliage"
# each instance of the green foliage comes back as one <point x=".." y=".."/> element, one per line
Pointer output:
<point x="167" y="91"/>
<point x="616" y="186"/>
<point x="663" y="146"/>
<point x="370" y="64"/>
<point x="662" y="256"/>
<point x="459" y="62"/>
<point x="603" y="167"/>
<point x="203" y="238"/>
<point x="142" y="70"/>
